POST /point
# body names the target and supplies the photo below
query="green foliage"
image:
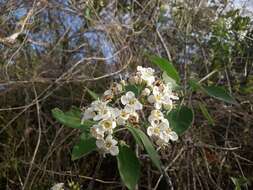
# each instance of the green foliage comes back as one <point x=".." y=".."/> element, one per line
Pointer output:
<point x="227" y="38"/>
<point x="214" y="91"/>
<point x="85" y="145"/>
<point x="128" y="166"/>
<point x="148" y="146"/>
<point x="240" y="182"/>
<point x="136" y="136"/>
<point x="136" y="89"/>
<point x="171" y="81"/>
<point x="180" y="119"/>
<point x="165" y="66"/>
<point x="219" y="93"/>
<point x="71" y="118"/>
<point x="194" y="85"/>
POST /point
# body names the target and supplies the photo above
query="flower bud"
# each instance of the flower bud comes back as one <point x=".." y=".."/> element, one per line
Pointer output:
<point x="135" y="80"/>
<point x="146" y="92"/>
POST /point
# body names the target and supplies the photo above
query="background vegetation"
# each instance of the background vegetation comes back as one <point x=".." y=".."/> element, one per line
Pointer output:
<point x="52" y="51"/>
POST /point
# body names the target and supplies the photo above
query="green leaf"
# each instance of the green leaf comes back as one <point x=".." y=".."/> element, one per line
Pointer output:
<point x="136" y="136"/>
<point x="148" y="147"/>
<point x="195" y="85"/>
<point x="180" y="119"/>
<point x="219" y="93"/>
<point x="92" y="94"/>
<point x="83" y="147"/>
<point x="128" y="166"/>
<point x="240" y="182"/>
<point x="136" y="89"/>
<point x="74" y="111"/>
<point x="71" y="118"/>
<point x="165" y="66"/>
<point x="213" y="91"/>
<point x="206" y="113"/>
<point x="170" y="80"/>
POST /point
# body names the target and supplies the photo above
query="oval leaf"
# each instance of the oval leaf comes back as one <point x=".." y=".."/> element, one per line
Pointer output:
<point x="219" y="93"/>
<point x="71" y="118"/>
<point x="180" y="119"/>
<point x="194" y="85"/>
<point x="165" y="66"/>
<point x="136" y="136"/>
<point x="148" y="147"/>
<point x="128" y="166"/>
<point x="83" y="147"/>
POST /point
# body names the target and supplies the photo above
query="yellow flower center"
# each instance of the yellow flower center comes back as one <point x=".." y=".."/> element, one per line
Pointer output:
<point x="131" y="102"/>
<point x="168" y="130"/>
<point x="123" y="114"/>
<point x="156" y="130"/>
<point x="158" y="97"/>
<point x="107" y="124"/>
<point x="108" y="144"/>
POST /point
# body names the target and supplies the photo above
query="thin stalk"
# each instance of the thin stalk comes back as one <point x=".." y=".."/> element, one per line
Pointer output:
<point x="92" y="182"/>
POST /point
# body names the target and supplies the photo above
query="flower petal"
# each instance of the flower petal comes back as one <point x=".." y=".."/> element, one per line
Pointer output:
<point x="100" y="143"/>
<point x="130" y="95"/>
<point x="151" y="99"/>
<point x="124" y="100"/>
<point x="138" y="106"/>
<point x="173" y="136"/>
<point x="114" y="150"/>
<point x="150" y="131"/>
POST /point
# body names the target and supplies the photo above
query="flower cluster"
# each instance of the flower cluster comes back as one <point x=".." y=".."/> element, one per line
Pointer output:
<point x="120" y="107"/>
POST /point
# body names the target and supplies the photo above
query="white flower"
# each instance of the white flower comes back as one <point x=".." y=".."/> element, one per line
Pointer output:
<point x="161" y="97"/>
<point x="154" y="131"/>
<point x="169" y="135"/>
<point x="155" y="117"/>
<point x="146" y="92"/>
<point x="108" y="145"/>
<point x="146" y="74"/>
<point x="114" y="112"/>
<point x="133" y="118"/>
<point x="108" y="93"/>
<point x="135" y="79"/>
<point x="108" y="125"/>
<point x="123" y="82"/>
<point x="123" y="117"/>
<point x="242" y="34"/>
<point x="130" y="102"/>
<point x="89" y="113"/>
<point x="162" y="132"/>
<point x="158" y="130"/>
<point x="117" y="88"/>
<point x="156" y="98"/>
<point x="58" y="186"/>
<point x="97" y="131"/>
<point x="101" y="109"/>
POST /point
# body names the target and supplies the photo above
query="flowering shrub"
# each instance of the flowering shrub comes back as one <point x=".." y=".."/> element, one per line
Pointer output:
<point x="120" y="107"/>
<point x="146" y="105"/>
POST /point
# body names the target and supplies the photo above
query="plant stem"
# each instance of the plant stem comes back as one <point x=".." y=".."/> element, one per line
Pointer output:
<point x="92" y="182"/>
<point x="167" y="178"/>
